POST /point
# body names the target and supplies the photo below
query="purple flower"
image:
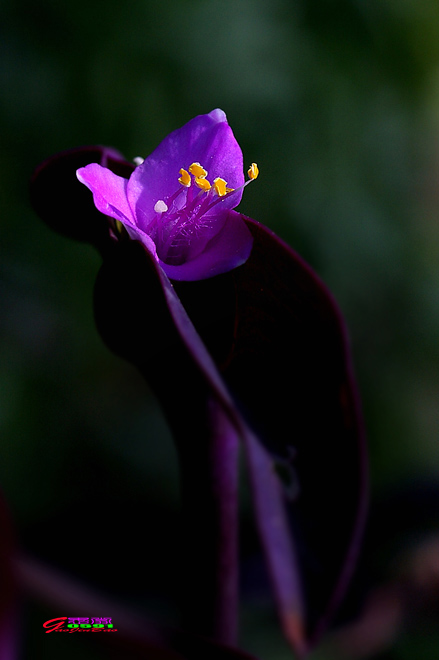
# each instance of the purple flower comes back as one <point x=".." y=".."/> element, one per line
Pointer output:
<point x="178" y="202"/>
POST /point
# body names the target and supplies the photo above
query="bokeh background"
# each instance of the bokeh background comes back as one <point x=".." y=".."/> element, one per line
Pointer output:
<point x="338" y="103"/>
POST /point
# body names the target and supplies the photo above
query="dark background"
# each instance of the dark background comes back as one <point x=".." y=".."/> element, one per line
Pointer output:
<point x="338" y="103"/>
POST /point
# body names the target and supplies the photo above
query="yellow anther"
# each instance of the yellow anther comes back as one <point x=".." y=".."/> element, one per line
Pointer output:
<point x="160" y="206"/>
<point x="185" y="178"/>
<point x="120" y="227"/>
<point x="202" y="183"/>
<point x="253" y="171"/>
<point x="198" y="171"/>
<point x="219" y="186"/>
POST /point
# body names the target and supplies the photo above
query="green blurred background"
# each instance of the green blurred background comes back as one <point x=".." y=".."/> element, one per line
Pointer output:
<point x="338" y="103"/>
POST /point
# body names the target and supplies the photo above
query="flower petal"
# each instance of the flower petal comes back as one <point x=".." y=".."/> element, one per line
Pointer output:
<point x="207" y="139"/>
<point x="109" y="191"/>
<point x="230" y="248"/>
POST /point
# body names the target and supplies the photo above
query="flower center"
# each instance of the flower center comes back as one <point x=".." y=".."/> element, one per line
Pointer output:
<point x="183" y="222"/>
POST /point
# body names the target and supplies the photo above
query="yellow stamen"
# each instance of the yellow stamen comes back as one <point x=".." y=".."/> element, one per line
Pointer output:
<point x="219" y="186"/>
<point x="119" y="226"/>
<point x="160" y="206"/>
<point x="253" y="171"/>
<point x="202" y="183"/>
<point x="185" y="178"/>
<point x="198" y="171"/>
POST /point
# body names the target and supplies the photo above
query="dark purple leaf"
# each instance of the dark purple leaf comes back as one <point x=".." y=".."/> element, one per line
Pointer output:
<point x="289" y="371"/>
<point x="288" y="368"/>
<point x="147" y="325"/>
<point x="274" y="355"/>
